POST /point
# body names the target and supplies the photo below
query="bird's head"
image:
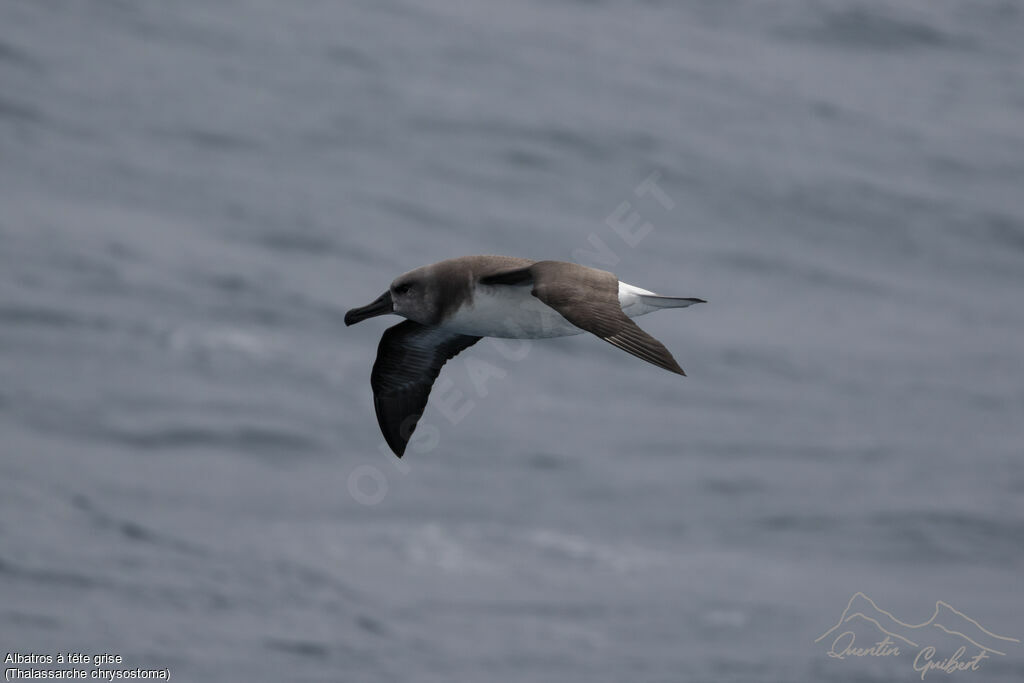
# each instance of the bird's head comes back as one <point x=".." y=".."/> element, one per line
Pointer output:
<point x="408" y="296"/>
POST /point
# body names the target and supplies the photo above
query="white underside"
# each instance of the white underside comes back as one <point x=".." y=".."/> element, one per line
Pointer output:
<point x="514" y="313"/>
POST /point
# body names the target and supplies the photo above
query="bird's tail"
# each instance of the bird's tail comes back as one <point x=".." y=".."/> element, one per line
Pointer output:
<point x="658" y="301"/>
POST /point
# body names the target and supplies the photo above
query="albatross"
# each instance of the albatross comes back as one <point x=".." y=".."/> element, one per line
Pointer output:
<point x="452" y="304"/>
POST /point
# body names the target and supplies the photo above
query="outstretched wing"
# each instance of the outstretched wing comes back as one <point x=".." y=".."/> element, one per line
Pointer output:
<point x="409" y="359"/>
<point x="589" y="299"/>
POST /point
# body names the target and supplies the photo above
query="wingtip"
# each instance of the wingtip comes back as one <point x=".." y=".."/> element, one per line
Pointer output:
<point x="672" y="366"/>
<point x="392" y="437"/>
<point x="397" y="447"/>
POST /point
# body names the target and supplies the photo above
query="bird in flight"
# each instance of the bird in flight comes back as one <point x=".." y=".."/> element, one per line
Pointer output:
<point x="452" y="304"/>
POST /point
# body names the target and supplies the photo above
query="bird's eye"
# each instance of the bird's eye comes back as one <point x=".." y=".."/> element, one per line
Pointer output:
<point x="401" y="289"/>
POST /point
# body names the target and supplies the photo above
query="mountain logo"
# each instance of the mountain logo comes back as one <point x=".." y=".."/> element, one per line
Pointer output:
<point x="867" y="630"/>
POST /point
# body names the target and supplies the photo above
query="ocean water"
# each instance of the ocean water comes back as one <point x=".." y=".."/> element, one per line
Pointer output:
<point x="193" y="193"/>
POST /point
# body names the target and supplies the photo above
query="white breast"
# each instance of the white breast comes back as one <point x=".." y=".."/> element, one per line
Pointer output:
<point x="513" y="312"/>
<point x="510" y="312"/>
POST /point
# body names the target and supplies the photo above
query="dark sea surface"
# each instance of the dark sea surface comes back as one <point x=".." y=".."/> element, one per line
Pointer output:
<point x="192" y="194"/>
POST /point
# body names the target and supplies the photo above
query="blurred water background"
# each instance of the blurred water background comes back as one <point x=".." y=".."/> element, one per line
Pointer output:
<point x="192" y="194"/>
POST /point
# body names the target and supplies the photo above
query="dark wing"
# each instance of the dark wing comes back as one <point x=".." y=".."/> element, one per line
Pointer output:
<point x="589" y="299"/>
<point x="409" y="359"/>
<point x="514" y="277"/>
